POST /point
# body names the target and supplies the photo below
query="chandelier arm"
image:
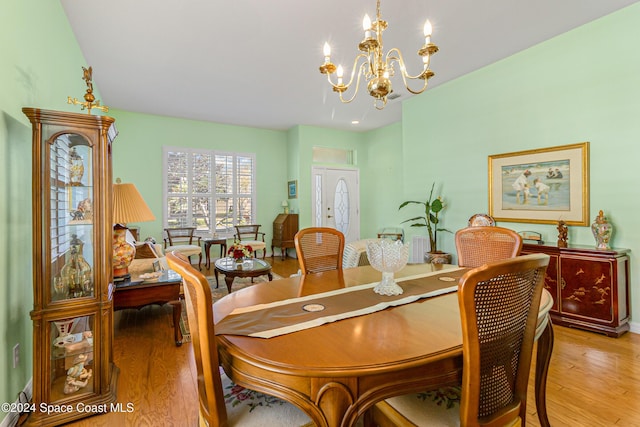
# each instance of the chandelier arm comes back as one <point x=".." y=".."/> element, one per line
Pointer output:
<point x="355" y="67"/>
<point x="400" y="60"/>
<point x="404" y="74"/>
<point x="353" y="70"/>
<point x="330" y="82"/>
<point x="415" y="92"/>
<point x="355" y="92"/>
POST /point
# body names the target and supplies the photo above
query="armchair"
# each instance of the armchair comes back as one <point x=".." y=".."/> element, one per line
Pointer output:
<point x="251" y="235"/>
<point x="181" y="240"/>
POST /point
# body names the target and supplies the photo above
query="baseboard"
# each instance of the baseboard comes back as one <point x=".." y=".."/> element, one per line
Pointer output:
<point x="12" y="418"/>
<point x="634" y="327"/>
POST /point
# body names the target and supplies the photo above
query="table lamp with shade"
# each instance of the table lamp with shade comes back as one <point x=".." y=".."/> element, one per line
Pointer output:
<point x="128" y="206"/>
<point x="285" y="205"/>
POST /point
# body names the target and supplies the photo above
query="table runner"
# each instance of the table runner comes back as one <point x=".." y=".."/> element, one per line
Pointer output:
<point x="296" y="314"/>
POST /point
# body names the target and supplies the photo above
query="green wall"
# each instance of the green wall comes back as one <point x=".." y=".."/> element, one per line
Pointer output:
<point x="382" y="181"/>
<point x="41" y="65"/>
<point x="293" y="165"/>
<point x="580" y="86"/>
<point x="311" y="136"/>
<point x="137" y="158"/>
<point x="280" y="157"/>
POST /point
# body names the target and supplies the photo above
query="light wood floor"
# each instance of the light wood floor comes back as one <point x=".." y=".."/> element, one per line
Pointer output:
<point x="593" y="380"/>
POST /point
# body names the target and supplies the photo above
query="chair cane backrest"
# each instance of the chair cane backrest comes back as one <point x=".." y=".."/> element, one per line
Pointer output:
<point x="198" y="302"/>
<point x="247" y="232"/>
<point x="499" y="309"/>
<point x="319" y="249"/>
<point x="479" y="245"/>
<point x="179" y="234"/>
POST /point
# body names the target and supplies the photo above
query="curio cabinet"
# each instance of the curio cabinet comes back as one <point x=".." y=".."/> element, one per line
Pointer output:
<point x="73" y="371"/>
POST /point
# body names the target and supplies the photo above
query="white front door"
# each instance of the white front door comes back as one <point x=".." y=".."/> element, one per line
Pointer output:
<point x="336" y="200"/>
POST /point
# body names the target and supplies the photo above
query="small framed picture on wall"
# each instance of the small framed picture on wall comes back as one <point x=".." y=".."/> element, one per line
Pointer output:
<point x="292" y="189"/>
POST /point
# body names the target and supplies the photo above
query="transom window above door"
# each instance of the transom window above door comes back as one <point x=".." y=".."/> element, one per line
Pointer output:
<point x="210" y="190"/>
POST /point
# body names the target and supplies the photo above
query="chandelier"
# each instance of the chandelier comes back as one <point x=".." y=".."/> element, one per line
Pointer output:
<point x="377" y="68"/>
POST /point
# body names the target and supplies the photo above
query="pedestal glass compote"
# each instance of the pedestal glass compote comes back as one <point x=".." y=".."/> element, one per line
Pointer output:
<point x="388" y="256"/>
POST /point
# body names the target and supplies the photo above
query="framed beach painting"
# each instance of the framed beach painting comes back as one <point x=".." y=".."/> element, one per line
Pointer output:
<point x="541" y="186"/>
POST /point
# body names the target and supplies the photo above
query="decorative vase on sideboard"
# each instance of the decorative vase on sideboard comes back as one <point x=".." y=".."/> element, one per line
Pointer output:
<point x="602" y="230"/>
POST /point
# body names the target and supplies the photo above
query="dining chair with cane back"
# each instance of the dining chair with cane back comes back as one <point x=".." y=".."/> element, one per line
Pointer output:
<point x="479" y="245"/>
<point x="319" y="249"/>
<point x="184" y="241"/>
<point x="498" y="312"/>
<point x="251" y="235"/>
<point x="246" y="407"/>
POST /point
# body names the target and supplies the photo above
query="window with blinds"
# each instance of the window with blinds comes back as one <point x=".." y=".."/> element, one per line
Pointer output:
<point x="213" y="191"/>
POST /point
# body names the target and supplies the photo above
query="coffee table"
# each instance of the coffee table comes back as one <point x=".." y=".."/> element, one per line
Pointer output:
<point x="137" y="294"/>
<point x="253" y="268"/>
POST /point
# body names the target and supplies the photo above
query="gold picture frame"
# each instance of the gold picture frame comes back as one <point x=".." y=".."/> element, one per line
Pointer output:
<point x="541" y="186"/>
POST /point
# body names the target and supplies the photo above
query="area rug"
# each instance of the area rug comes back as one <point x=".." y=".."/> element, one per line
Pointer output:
<point x="219" y="292"/>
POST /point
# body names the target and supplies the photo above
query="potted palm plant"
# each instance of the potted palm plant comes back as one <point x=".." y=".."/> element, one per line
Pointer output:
<point x="432" y="209"/>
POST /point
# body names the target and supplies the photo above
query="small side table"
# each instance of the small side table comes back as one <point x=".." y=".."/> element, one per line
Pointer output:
<point x="208" y="242"/>
<point x="137" y="294"/>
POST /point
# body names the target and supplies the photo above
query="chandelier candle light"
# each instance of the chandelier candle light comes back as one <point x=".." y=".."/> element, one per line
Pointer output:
<point x="377" y="67"/>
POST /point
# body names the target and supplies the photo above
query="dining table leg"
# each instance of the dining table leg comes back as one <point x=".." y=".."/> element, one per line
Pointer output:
<point x="543" y="357"/>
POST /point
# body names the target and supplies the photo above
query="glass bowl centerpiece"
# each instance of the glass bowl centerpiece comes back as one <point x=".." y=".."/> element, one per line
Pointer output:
<point x="388" y="256"/>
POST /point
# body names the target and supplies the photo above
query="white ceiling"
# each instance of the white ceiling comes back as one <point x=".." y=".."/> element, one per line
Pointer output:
<point x="255" y="62"/>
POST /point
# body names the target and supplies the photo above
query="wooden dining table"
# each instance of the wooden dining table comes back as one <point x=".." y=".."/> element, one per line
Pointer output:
<point x="336" y="371"/>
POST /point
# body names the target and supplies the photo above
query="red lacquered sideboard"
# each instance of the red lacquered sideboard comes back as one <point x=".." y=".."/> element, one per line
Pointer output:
<point x="590" y="287"/>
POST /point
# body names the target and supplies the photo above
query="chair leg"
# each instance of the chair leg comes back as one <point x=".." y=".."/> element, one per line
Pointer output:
<point x="543" y="357"/>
